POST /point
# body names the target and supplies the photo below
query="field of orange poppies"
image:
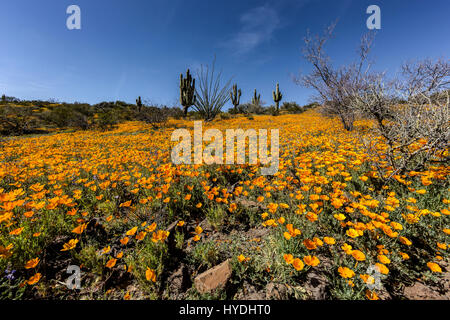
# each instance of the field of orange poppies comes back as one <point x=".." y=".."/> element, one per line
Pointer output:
<point x="139" y="227"/>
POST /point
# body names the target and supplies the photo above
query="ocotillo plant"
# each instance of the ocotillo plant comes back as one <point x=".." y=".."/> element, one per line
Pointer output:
<point x="187" y="90"/>
<point x="235" y="96"/>
<point x="139" y="103"/>
<point x="256" y="100"/>
<point x="277" y="96"/>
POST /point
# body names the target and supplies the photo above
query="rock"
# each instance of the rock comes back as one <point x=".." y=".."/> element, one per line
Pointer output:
<point x="250" y="204"/>
<point x="257" y="233"/>
<point x="206" y="226"/>
<point x="216" y="277"/>
<point x="178" y="282"/>
<point x="172" y="226"/>
<point x="254" y="296"/>
<point x="316" y="286"/>
<point x="439" y="291"/>
<point x="276" y="291"/>
<point x="119" y="278"/>
<point x="420" y="291"/>
<point x="171" y="238"/>
<point x="249" y="292"/>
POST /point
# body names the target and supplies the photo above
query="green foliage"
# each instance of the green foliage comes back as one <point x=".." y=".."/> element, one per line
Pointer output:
<point x="148" y="255"/>
<point x="277" y="96"/>
<point x="17" y="120"/>
<point x="179" y="240"/>
<point x="90" y="259"/>
<point x="34" y="117"/>
<point x="107" y="120"/>
<point x="216" y="217"/>
<point x="294" y="108"/>
<point x="248" y="108"/>
<point x="225" y="116"/>
<point x="235" y="96"/>
<point x="77" y="115"/>
<point x="153" y="115"/>
<point x="286" y="107"/>
<point x="211" y="95"/>
<point x="256" y="100"/>
<point x="187" y="91"/>
<point x="205" y="255"/>
<point x="139" y="103"/>
<point x="11" y="289"/>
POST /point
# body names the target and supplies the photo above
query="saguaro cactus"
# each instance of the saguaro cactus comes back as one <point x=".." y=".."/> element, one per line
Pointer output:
<point x="235" y="95"/>
<point x="139" y="103"/>
<point x="256" y="100"/>
<point x="277" y="96"/>
<point x="187" y="91"/>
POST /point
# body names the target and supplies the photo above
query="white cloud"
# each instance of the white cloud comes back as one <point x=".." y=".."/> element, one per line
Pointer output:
<point x="257" y="27"/>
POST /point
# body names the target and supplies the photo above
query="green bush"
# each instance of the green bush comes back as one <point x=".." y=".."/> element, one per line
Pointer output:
<point x="17" y="120"/>
<point x="153" y="115"/>
<point x="75" y="115"/>
<point x="248" y="108"/>
<point x="107" y="120"/>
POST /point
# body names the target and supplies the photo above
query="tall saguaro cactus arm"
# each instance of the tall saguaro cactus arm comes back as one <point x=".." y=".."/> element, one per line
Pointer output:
<point x="256" y="100"/>
<point x="235" y="95"/>
<point x="139" y="103"/>
<point x="187" y="91"/>
<point x="277" y="96"/>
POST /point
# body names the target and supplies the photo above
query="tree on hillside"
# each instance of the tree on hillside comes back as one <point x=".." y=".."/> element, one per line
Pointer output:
<point x="416" y="132"/>
<point x="333" y="85"/>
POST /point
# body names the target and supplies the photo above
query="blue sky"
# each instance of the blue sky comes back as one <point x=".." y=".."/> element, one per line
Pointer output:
<point x="130" y="48"/>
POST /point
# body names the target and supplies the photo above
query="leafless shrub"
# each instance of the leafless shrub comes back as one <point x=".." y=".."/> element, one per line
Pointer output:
<point x="415" y="133"/>
<point x="334" y="86"/>
<point x="153" y="115"/>
<point x="424" y="80"/>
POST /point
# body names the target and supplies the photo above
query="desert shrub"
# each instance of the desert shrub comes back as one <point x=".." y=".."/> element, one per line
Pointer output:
<point x="153" y="115"/>
<point x="122" y="111"/>
<point x="272" y="110"/>
<point x="225" y="116"/>
<point x="414" y="134"/>
<point x="174" y="112"/>
<point x="234" y="110"/>
<point x="22" y="117"/>
<point x="311" y="105"/>
<point x="211" y="95"/>
<point x="107" y="120"/>
<point x="291" y="107"/>
<point x="257" y="109"/>
<point x="5" y="99"/>
<point x="194" y="115"/>
<point x="75" y="115"/>
<point x="249" y="108"/>
<point x="335" y="85"/>
<point x="205" y="255"/>
<point x="15" y="120"/>
<point x="121" y="104"/>
<point x="294" y="108"/>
